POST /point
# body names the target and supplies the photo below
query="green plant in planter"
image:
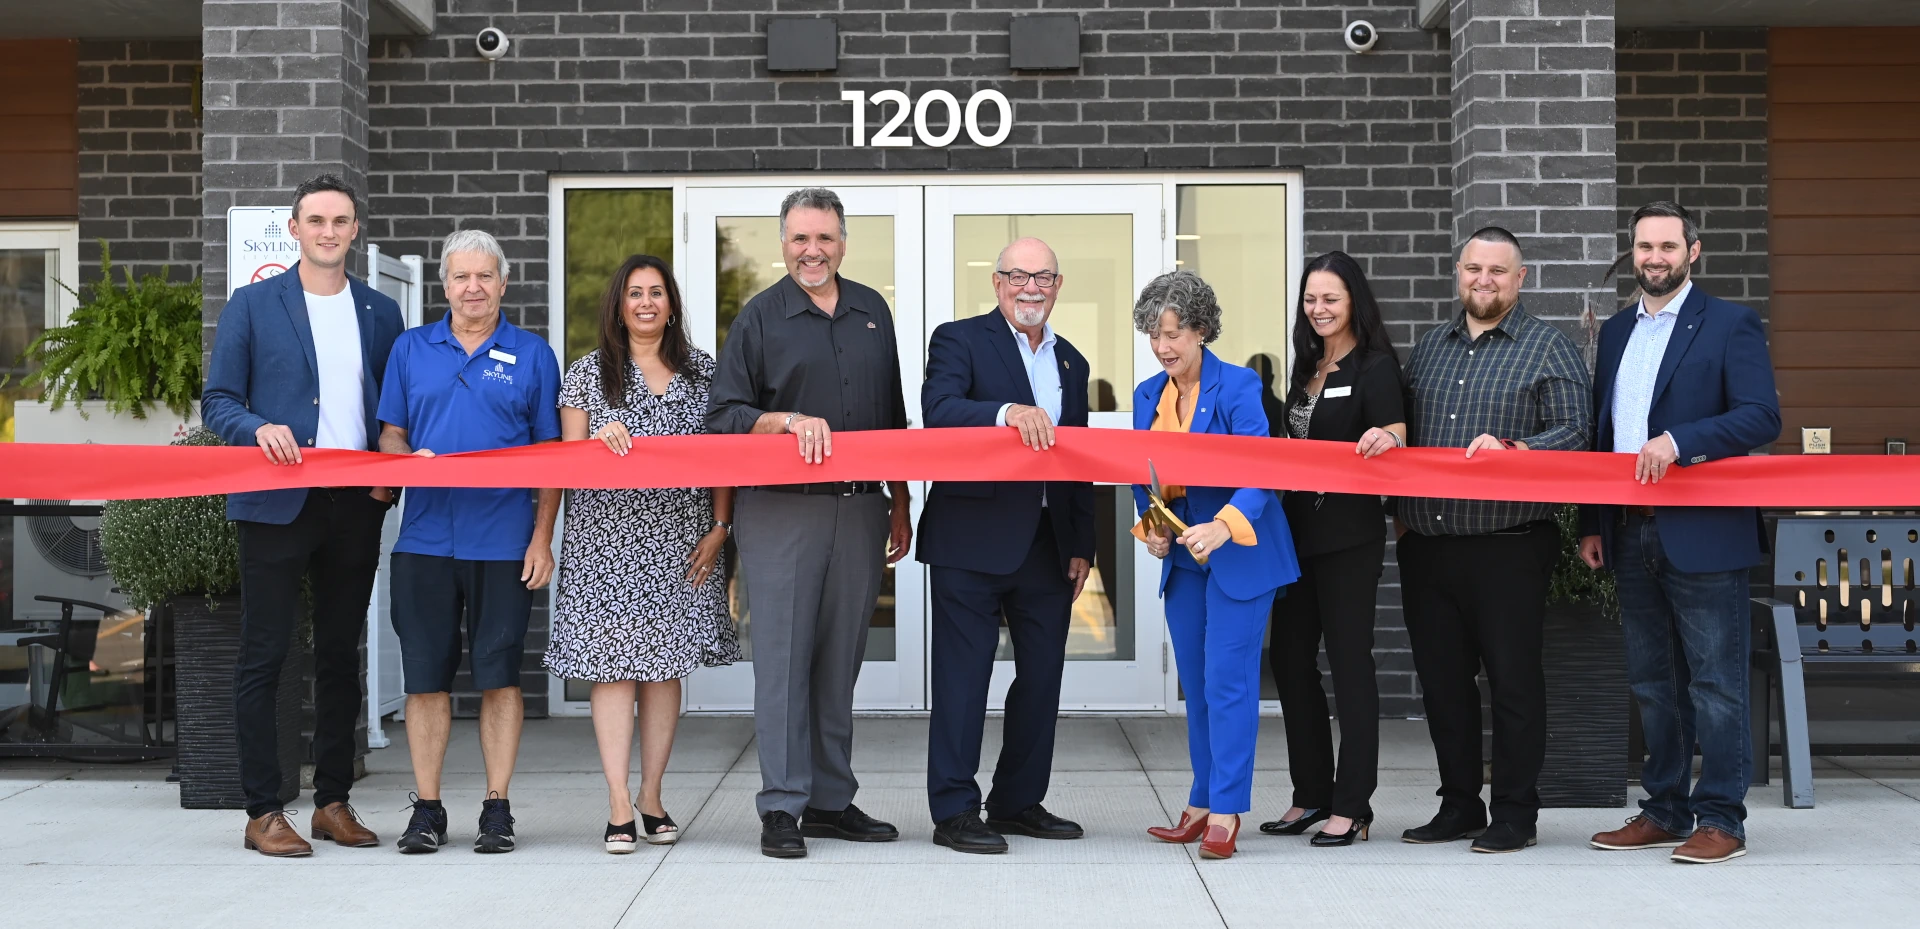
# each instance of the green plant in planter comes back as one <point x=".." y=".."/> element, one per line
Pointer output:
<point x="172" y="546"/>
<point x="1572" y="581"/>
<point x="130" y="345"/>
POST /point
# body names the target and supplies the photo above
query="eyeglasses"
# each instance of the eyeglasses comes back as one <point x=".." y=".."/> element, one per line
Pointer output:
<point x="1019" y="278"/>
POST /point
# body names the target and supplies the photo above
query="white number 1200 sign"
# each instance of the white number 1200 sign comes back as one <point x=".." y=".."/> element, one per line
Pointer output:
<point x="890" y="135"/>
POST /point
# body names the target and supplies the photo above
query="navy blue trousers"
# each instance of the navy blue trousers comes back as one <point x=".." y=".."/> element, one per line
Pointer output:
<point x="1037" y="601"/>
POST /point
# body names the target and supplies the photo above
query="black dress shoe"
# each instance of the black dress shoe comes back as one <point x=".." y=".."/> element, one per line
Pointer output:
<point x="849" y="824"/>
<point x="966" y="833"/>
<point x="1505" y="837"/>
<point x="1036" y="822"/>
<point x="780" y="836"/>
<point x="1446" y="826"/>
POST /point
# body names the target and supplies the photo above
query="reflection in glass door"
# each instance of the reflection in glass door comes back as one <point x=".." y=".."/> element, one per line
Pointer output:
<point x="1108" y="239"/>
<point x="733" y="253"/>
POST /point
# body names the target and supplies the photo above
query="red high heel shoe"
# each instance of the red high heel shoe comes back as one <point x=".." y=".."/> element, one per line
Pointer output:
<point x="1219" y="840"/>
<point x="1189" y="830"/>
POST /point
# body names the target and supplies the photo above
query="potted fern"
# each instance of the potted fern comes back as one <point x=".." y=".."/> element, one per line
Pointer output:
<point x="1584" y="660"/>
<point x="131" y="347"/>
<point x="180" y="556"/>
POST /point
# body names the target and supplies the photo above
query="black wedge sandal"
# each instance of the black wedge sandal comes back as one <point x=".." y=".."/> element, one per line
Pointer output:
<point x="620" y="839"/>
<point x="660" y="830"/>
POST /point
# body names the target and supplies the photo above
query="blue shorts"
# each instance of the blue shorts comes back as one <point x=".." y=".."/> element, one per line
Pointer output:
<point x="434" y="597"/>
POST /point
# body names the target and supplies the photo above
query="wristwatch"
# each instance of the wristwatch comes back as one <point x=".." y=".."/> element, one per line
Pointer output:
<point x="788" y="426"/>
<point x="717" y="524"/>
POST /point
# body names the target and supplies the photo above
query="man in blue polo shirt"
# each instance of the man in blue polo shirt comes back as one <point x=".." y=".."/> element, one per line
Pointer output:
<point x="470" y="382"/>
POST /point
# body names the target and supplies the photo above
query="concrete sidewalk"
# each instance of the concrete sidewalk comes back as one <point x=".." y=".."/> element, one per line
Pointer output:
<point x="109" y="845"/>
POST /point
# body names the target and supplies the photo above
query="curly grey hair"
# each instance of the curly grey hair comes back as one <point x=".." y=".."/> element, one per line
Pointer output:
<point x="813" y="198"/>
<point x="1187" y="295"/>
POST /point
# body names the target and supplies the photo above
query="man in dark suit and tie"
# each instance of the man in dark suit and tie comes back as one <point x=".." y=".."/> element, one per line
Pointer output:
<point x="1019" y="550"/>
<point x="1682" y="378"/>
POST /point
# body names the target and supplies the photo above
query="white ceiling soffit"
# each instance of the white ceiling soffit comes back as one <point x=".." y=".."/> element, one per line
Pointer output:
<point x="170" y="19"/>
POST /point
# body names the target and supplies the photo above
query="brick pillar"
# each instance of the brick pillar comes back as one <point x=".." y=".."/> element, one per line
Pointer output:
<point x="285" y="99"/>
<point x="1533" y="142"/>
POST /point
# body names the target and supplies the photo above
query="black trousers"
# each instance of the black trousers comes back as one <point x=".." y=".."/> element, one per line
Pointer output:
<point x="1474" y="601"/>
<point x="1334" y="600"/>
<point x="1037" y="600"/>
<point x="335" y="544"/>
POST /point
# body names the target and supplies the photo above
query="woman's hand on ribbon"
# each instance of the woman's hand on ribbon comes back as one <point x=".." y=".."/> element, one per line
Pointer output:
<point x="616" y="437"/>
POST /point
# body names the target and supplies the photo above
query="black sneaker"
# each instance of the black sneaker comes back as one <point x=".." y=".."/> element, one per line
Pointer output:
<point x="426" y="831"/>
<point x="1447" y="826"/>
<point x="1501" y="838"/>
<point x="851" y="824"/>
<point x="780" y="836"/>
<point x="496" y="827"/>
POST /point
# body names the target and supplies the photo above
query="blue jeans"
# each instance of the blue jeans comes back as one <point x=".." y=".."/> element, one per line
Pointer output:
<point x="1687" y="659"/>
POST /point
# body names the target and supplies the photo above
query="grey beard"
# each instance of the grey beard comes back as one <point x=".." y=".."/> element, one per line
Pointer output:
<point x="1029" y="317"/>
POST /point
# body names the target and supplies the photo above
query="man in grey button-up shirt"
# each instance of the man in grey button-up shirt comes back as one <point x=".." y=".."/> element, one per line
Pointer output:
<point x="1474" y="573"/>
<point x="812" y="355"/>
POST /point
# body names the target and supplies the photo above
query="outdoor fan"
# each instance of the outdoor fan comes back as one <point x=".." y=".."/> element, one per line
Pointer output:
<point x="69" y="543"/>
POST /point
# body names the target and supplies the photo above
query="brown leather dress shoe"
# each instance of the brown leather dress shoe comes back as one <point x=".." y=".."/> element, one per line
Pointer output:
<point x="1709" y="846"/>
<point x="1638" y="833"/>
<point x="338" y="822"/>
<point x="273" y="836"/>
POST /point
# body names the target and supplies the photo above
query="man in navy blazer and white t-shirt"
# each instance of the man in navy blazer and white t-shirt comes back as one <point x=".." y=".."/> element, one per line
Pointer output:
<point x="1682" y="378"/>
<point x="297" y="362"/>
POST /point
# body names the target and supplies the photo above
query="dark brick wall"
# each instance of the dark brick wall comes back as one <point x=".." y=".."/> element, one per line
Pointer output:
<point x="593" y="86"/>
<point x="1693" y="128"/>
<point x="679" y="86"/>
<point x="140" y="157"/>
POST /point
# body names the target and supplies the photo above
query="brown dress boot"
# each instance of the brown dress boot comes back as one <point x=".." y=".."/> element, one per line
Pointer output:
<point x="1638" y="833"/>
<point x="273" y="836"/>
<point x="1709" y="846"/>
<point x="339" y="822"/>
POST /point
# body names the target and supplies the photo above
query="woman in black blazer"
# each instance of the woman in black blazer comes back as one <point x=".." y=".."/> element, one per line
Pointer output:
<point x="1345" y="387"/>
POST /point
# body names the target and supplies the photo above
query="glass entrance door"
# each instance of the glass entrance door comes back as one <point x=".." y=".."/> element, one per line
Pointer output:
<point x="1110" y="241"/>
<point x="732" y="249"/>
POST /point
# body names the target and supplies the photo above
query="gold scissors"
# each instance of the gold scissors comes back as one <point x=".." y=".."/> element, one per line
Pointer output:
<point x="1160" y="516"/>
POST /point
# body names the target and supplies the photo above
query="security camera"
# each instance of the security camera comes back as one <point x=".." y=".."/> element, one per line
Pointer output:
<point x="492" y="43"/>
<point x="1361" y="35"/>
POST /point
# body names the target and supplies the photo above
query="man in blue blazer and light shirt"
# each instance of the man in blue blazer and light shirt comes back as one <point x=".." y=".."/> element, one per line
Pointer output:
<point x="297" y="361"/>
<point x="1021" y="550"/>
<point x="1682" y="378"/>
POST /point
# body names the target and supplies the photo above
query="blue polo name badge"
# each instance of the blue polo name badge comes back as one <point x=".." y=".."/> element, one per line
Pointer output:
<point x="498" y="355"/>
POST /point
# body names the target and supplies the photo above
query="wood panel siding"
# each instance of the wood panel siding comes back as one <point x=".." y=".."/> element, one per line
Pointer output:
<point x="39" y="129"/>
<point x="1844" y="233"/>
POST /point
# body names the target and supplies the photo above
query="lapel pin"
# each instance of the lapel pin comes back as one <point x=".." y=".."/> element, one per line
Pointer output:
<point x="872" y="326"/>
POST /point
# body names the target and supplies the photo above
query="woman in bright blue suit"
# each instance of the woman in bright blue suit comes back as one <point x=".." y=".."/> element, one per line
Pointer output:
<point x="1217" y="611"/>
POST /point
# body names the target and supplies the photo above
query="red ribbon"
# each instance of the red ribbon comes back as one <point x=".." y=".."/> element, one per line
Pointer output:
<point x="1115" y="456"/>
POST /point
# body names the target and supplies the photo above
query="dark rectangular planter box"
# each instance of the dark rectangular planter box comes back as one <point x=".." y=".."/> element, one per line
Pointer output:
<point x="207" y="643"/>
<point x="1588" y="709"/>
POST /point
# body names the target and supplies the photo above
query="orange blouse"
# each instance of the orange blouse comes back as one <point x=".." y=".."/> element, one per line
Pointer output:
<point x="1175" y="414"/>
